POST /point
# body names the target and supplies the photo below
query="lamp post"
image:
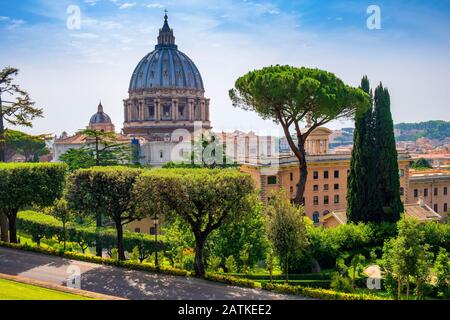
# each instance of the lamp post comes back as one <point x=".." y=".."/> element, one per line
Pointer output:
<point x="155" y="221"/>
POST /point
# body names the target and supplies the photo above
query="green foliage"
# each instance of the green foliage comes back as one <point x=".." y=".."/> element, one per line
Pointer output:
<point x="323" y="294"/>
<point x="408" y="256"/>
<point x="286" y="229"/>
<point x="421" y="163"/>
<point x="289" y="96"/>
<point x="341" y="283"/>
<point x="40" y="225"/>
<point x="214" y="263"/>
<point x="386" y="159"/>
<point x="106" y="191"/>
<point x="436" y="129"/>
<point x="16" y="107"/>
<point x="205" y="199"/>
<point x="24" y="185"/>
<point x="17" y="142"/>
<point x="230" y="264"/>
<point x="244" y="234"/>
<point x="361" y="194"/>
<point x="101" y="149"/>
<point x="442" y="271"/>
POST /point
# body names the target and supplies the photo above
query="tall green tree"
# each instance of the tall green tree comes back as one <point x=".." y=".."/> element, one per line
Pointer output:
<point x="205" y="199"/>
<point x="61" y="211"/>
<point x="286" y="229"/>
<point x="107" y="192"/>
<point x="289" y="96"/>
<point x="362" y="193"/>
<point x="16" y="107"/>
<point x="386" y="159"/>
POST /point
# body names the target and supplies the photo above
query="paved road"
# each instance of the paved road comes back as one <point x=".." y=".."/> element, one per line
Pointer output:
<point x="130" y="284"/>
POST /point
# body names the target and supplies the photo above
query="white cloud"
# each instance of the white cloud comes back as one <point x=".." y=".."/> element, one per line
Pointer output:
<point x="127" y="5"/>
<point x="154" y="5"/>
<point x="11" y="23"/>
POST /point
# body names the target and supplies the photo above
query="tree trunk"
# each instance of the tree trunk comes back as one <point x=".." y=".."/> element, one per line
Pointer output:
<point x="64" y="235"/>
<point x="287" y="269"/>
<point x="4" y="227"/>
<point x="98" y="246"/>
<point x="199" y="266"/>
<point x="12" y="216"/>
<point x="399" y="288"/>
<point x="303" y="170"/>
<point x="407" y="287"/>
<point x="2" y="132"/>
<point x="120" y="247"/>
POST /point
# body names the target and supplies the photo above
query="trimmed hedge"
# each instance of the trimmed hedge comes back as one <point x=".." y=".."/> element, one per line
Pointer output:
<point x="232" y="280"/>
<point x="94" y="259"/>
<point x="40" y="225"/>
<point x="324" y="294"/>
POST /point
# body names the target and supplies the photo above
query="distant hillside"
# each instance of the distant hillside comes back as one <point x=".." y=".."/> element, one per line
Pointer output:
<point x="436" y="129"/>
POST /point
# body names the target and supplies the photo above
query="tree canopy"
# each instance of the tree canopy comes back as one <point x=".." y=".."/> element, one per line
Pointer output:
<point x="289" y="96"/>
<point x="16" y="107"/>
<point x="205" y="199"/>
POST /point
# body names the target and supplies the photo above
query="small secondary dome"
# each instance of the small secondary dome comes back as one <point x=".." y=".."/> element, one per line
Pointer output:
<point x="166" y="66"/>
<point x="100" y="116"/>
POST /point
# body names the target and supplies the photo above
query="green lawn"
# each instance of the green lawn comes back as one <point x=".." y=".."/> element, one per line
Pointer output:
<point x="12" y="290"/>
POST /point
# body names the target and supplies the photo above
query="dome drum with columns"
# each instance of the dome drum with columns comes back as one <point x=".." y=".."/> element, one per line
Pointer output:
<point x="166" y="92"/>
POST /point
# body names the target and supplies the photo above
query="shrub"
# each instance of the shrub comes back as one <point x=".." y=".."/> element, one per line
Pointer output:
<point x="26" y="184"/>
<point x="324" y="294"/>
<point x="230" y="264"/>
<point x="341" y="283"/>
<point x="232" y="280"/>
<point x="41" y="225"/>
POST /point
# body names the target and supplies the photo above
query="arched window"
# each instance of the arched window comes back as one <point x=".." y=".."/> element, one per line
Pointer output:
<point x="316" y="217"/>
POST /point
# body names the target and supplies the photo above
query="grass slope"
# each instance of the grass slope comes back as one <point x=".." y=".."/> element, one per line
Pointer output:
<point x="12" y="290"/>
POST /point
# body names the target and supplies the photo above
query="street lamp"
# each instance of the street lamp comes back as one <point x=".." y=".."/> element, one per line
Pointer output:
<point x="155" y="221"/>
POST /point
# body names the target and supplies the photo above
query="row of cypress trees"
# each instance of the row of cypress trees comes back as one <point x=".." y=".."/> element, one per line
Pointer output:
<point x="373" y="183"/>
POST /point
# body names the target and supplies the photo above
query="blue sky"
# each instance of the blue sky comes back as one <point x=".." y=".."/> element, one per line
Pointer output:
<point x="68" y="71"/>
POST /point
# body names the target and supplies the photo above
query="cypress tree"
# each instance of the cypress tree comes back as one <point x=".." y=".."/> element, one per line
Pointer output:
<point x="386" y="159"/>
<point x="360" y="204"/>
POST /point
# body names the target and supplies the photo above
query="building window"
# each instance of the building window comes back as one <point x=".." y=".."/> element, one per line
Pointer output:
<point x="161" y="154"/>
<point x="326" y="200"/>
<point x="291" y="176"/>
<point x="316" y="187"/>
<point x="272" y="180"/>
<point x="402" y="173"/>
<point x="436" y="191"/>
<point x="336" y="186"/>
<point x="445" y="208"/>
<point x="151" y="112"/>
<point x="137" y="230"/>
<point x="425" y="192"/>
<point x="336" y="199"/>
<point x="316" y="175"/>
<point x="152" y="230"/>
<point x="336" y="174"/>
<point x="436" y="207"/>
<point x="326" y="187"/>
<point x="325" y="174"/>
<point x="316" y="200"/>
<point x="445" y="191"/>
<point x="292" y="189"/>
<point x="316" y="217"/>
<point x="167" y="109"/>
<point x="402" y="191"/>
<point x="416" y="193"/>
